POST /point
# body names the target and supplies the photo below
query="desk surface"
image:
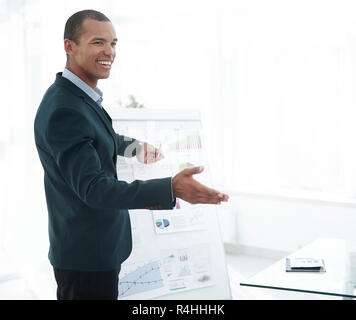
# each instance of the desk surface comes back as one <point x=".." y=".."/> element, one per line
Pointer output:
<point x="339" y="279"/>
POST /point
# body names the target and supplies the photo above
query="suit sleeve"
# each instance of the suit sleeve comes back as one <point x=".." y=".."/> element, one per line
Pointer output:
<point x="126" y="146"/>
<point x="129" y="147"/>
<point x="70" y="137"/>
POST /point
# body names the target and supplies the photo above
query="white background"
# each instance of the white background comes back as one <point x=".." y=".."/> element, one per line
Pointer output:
<point x="274" y="81"/>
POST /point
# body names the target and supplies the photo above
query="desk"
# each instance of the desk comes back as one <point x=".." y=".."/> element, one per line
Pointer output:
<point x="339" y="280"/>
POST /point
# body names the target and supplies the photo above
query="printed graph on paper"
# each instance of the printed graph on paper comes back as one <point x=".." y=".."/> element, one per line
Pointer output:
<point x="144" y="278"/>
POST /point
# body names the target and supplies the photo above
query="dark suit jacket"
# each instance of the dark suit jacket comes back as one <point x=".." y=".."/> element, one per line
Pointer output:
<point x="89" y="224"/>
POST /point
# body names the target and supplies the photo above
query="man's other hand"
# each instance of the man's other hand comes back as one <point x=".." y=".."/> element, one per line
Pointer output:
<point x="149" y="154"/>
<point x="187" y="188"/>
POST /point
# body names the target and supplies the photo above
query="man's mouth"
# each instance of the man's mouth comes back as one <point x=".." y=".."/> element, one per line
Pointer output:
<point x="106" y="64"/>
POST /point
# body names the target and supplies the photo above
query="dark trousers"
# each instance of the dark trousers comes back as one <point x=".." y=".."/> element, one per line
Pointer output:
<point x="84" y="285"/>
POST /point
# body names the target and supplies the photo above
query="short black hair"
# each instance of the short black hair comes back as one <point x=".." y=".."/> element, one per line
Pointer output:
<point x="73" y="28"/>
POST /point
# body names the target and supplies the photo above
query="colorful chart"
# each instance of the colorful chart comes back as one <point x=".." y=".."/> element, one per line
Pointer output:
<point x="162" y="223"/>
<point x="185" y="165"/>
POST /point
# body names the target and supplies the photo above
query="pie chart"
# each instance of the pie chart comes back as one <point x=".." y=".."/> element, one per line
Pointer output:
<point x="162" y="223"/>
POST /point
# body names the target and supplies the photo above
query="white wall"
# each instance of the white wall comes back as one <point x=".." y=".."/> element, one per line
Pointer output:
<point x="285" y="224"/>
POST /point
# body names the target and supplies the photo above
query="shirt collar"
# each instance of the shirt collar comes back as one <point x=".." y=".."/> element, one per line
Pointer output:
<point x="96" y="94"/>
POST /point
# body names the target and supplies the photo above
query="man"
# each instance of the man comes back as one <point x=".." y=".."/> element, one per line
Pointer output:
<point x="89" y="225"/>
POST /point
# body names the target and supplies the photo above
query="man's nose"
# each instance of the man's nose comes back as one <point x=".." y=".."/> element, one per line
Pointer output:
<point x="109" y="50"/>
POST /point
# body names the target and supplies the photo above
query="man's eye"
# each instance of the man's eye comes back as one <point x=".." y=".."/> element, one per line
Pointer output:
<point x="97" y="42"/>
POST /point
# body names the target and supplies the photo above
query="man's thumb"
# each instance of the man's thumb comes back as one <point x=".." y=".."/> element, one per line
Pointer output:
<point x="194" y="170"/>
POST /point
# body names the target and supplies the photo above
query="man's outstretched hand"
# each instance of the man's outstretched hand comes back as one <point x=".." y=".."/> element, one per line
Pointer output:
<point x="187" y="188"/>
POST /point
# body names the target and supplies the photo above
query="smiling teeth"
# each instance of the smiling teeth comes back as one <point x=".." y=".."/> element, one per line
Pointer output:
<point x="108" y="63"/>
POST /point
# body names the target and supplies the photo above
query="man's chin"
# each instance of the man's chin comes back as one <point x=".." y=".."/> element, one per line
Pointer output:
<point x="105" y="75"/>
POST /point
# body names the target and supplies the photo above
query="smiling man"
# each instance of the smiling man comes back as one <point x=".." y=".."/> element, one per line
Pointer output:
<point x="90" y="47"/>
<point x="88" y="221"/>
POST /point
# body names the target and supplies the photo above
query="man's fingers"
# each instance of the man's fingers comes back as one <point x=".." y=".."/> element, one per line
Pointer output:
<point x="208" y="200"/>
<point x="191" y="190"/>
<point x="152" y="154"/>
<point x="158" y="154"/>
<point x="208" y="195"/>
<point x="160" y="157"/>
<point x="223" y="197"/>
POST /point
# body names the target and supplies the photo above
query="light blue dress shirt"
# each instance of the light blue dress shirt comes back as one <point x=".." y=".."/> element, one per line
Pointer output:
<point x="96" y="94"/>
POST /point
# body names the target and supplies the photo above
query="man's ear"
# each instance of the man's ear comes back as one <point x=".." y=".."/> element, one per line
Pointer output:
<point x="68" y="46"/>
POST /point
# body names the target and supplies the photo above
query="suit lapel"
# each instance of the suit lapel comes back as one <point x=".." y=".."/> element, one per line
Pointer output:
<point x="107" y="115"/>
<point x="105" y="118"/>
<point x="102" y="114"/>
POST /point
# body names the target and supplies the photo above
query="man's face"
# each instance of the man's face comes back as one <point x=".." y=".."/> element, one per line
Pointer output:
<point x="92" y="57"/>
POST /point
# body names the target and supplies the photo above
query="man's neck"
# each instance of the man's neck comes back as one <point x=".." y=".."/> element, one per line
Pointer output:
<point x="91" y="84"/>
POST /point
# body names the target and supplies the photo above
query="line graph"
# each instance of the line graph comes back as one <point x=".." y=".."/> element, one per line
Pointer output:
<point x="144" y="278"/>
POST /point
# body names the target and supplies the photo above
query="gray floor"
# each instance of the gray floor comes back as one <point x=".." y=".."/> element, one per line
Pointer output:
<point x="39" y="283"/>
